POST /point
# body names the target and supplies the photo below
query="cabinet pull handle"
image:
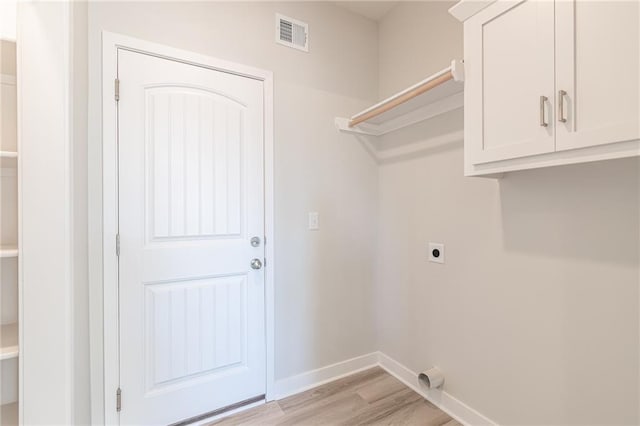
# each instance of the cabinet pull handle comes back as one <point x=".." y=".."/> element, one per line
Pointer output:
<point x="561" y="95"/>
<point x="543" y="100"/>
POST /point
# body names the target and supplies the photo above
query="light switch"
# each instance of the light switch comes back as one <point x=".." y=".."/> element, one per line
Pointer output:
<point x="313" y="221"/>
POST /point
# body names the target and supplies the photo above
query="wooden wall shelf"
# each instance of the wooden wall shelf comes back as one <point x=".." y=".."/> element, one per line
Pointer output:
<point x="437" y="94"/>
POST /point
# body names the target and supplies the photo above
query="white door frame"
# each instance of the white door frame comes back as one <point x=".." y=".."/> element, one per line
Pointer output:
<point x="110" y="44"/>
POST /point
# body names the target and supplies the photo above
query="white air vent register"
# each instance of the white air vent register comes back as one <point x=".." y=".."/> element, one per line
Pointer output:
<point x="292" y="33"/>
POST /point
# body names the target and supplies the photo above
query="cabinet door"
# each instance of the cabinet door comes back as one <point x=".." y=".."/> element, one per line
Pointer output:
<point x="597" y="52"/>
<point x="509" y="63"/>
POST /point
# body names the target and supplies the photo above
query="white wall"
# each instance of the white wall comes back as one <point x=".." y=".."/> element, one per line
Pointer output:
<point x="79" y="178"/>
<point x="534" y="316"/>
<point x="324" y="294"/>
<point x="54" y="352"/>
<point x="415" y="40"/>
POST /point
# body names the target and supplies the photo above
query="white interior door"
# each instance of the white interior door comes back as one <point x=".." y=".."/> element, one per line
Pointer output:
<point x="511" y="45"/>
<point x="191" y="197"/>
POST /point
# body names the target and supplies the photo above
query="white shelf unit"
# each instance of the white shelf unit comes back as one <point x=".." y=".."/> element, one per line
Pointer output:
<point x="8" y="159"/>
<point x="435" y="95"/>
<point x="9" y="324"/>
<point x="8" y="251"/>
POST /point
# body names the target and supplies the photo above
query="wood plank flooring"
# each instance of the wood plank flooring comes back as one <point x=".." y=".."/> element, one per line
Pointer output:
<point x="371" y="397"/>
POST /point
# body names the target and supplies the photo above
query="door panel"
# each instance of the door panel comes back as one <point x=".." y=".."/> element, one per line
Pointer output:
<point x="194" y="180"/>
<point x="192" y="335"/>
<point x="194" y="328"/>
<point x="597" y="57"/>
<point x="512" y="45"/>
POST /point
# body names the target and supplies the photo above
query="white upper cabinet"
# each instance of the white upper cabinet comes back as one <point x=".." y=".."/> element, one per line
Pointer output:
<point x="511" y="48"/>
<point x="549" y="82"/>
<point x="597" y="72"/>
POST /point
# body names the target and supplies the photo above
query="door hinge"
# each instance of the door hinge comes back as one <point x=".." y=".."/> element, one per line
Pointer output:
<point x="117" y="244"/>
<point x="118" y="400"/>
<point x="117" y="89"/>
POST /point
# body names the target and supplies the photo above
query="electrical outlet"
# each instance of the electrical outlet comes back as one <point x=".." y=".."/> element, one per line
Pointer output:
<point x="313" y="221"/>
<point x="436" y="252"/>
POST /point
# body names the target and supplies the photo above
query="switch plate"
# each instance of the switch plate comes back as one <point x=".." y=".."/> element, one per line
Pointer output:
<point x="313" y="221"/>
<point x="436" y="252"/>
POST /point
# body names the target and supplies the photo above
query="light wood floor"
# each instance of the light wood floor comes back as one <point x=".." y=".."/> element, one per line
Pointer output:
<point x="372" y="397"/>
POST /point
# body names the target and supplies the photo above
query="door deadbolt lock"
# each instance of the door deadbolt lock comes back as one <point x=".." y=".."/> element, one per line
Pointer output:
<point x="256" y="264"/>
<point x="255" y="242"/>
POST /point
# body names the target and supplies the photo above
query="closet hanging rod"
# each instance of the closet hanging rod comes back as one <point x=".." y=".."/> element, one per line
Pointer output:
<point x="399" y="100"/>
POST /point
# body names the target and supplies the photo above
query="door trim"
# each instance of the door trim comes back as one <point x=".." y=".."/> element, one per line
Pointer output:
<point x="104" y="332"/>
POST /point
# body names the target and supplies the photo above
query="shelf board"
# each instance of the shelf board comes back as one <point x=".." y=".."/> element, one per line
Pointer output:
<point x="9" y="414"/>
<point x="9" y="341"/>
<point x="437" y="94"/>
<point x="8" y="159"/>
<point x="8" y="251"/>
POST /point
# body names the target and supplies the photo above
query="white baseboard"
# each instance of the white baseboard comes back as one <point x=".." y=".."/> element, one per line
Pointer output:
<point x="320" y="376"/>
<point x="441" y="399"/>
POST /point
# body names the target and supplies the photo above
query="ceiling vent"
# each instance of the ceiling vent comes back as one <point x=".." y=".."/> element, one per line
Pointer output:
<point x="292" y="33"/>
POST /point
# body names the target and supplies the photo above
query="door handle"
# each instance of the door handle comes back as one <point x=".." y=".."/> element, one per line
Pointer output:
<point x="256" y="264"/>
<point x="543" y="101"/>
<point x="561" y="95"/>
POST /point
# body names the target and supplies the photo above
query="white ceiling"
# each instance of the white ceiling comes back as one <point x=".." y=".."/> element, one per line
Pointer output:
<point x="371" y="9"/>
